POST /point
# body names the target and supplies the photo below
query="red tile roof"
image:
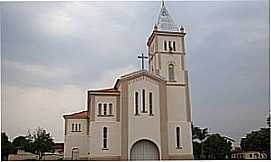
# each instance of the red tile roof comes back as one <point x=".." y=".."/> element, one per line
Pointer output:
<point x="78" y="115"/>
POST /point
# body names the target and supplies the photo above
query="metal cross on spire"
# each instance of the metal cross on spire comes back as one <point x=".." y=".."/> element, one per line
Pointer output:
<point x="142" y="57"/>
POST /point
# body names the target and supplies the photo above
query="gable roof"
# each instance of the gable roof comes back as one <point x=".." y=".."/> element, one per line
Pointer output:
<point x="137" y="74"/>
<point x="78" y="115"/>
<point x="108" y="90"/>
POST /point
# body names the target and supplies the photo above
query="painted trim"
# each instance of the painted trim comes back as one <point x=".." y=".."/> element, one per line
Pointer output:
<point x="163" y="120"/>
<point x="92" y="107"/>
<point x="188" y="103"/>
<point x="165" y="33"/>
<point x="182" y="62"/>
<point x="124" y="121"/>
<point x="104" y="94"/>
<point x="118" y="109"/>
<point x="177" y="84"/>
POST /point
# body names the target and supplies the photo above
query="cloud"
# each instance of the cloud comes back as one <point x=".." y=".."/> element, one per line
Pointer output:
<point x="32" y="107"/>
<point x="38" y="70"/>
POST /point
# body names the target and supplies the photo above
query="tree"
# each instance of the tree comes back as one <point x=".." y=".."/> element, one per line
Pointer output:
<point x="217" y="147"/>
<point x="200" y="135"/>
<point x="20" y="142"/>
<point x="6" y="146"/>
<point x="268" y="121"/>
<point x="257" y="141"/>
<point x="40" y="142"/>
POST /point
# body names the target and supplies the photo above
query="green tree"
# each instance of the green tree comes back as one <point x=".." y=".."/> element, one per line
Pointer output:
<point x="20" y="141"/>
<point x="198" y="137"/>
<point x="40" y="142"/>
<point x="202" y="134"/>
<point x="6" y="146"/>
<point x="217" y="147"/>
<point x="268" y="121"/>
<point x="257" y="141"/>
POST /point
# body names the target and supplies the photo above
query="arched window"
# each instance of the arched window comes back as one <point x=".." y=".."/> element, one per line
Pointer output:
<point x="72" y="127"/>
<point x="75" y="127"/>
<point x="150" y="102"/>
<point x="110" y="108"/>
<point x="171" y="72"/>
<point x="143" y="101"/>
<point x="100" y="109"/>
<point x="174" y="46"/>
<point x="169" y="46"/>
<point x="79" y="127"/>
<point x="178" y="131"/>
<point x="136" y="103"/>
<point x="165" y="45"/>
<point x="105" y="137"/>
<point x="104" y="109"/>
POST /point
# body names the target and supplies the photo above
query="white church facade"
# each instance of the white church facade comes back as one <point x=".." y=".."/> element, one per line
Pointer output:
<point x="146" y="115"/>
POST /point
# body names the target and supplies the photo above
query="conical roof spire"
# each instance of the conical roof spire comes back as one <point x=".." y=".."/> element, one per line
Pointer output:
<point x="165" y="21"/>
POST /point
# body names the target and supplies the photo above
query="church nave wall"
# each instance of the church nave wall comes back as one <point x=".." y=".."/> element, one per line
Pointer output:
<point x="144" y="125"/>
<point x="113" y="136"/>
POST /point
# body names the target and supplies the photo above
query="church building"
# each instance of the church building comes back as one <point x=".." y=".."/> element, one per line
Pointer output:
<point x="146" y="115"/>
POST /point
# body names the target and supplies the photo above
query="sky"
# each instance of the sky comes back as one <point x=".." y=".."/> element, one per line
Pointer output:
<point x="53" y="52"/>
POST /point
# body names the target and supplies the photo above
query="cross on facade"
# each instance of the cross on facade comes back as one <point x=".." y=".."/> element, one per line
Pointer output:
<point x="142" y="57"/>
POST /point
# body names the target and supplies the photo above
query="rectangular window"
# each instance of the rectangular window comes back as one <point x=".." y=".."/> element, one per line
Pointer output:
<point x="100" y="109"/>
<point x="136" y="103"/>
<point x="104" y="109"/>
<point x="169" y="45"/>
<point x="150" y="101"/>
<point x="178" y="137"/>
<point x="75" y="127"/>
<point x="105" y="138"/>
<point x="165" y="45"/>
<point x="143" y="101"/>
<point x="110" y="108"/>
<point x="79" y="129"/>
<point x="174" y="47"/>
<point x="72" y="127"/>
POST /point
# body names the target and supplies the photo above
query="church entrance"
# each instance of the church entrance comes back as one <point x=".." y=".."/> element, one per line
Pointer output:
<point x="144" y="150"/>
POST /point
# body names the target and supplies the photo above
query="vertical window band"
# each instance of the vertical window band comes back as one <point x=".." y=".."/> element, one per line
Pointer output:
<point x="150" y="102"/>
<point x="143" y="101"/>
<point x="100" y="109"/>
<point x="178" y="137"/>
<point x="110" y="108"/>
<point x="171" y="72"/>
<point x="105" y="137"/>
<point x="136" y="103"/>
<point x="104" y="109"/>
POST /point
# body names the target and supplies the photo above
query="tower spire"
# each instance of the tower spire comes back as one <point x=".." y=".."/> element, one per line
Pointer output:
<point x="163" y="3"/>
<point x="165" y="21"/>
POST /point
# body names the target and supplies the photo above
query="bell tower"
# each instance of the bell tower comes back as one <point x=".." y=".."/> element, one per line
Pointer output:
<point x="166" y="48"/>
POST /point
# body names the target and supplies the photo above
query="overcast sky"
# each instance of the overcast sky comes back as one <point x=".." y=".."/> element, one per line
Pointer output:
<point x="53" y="52"/>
